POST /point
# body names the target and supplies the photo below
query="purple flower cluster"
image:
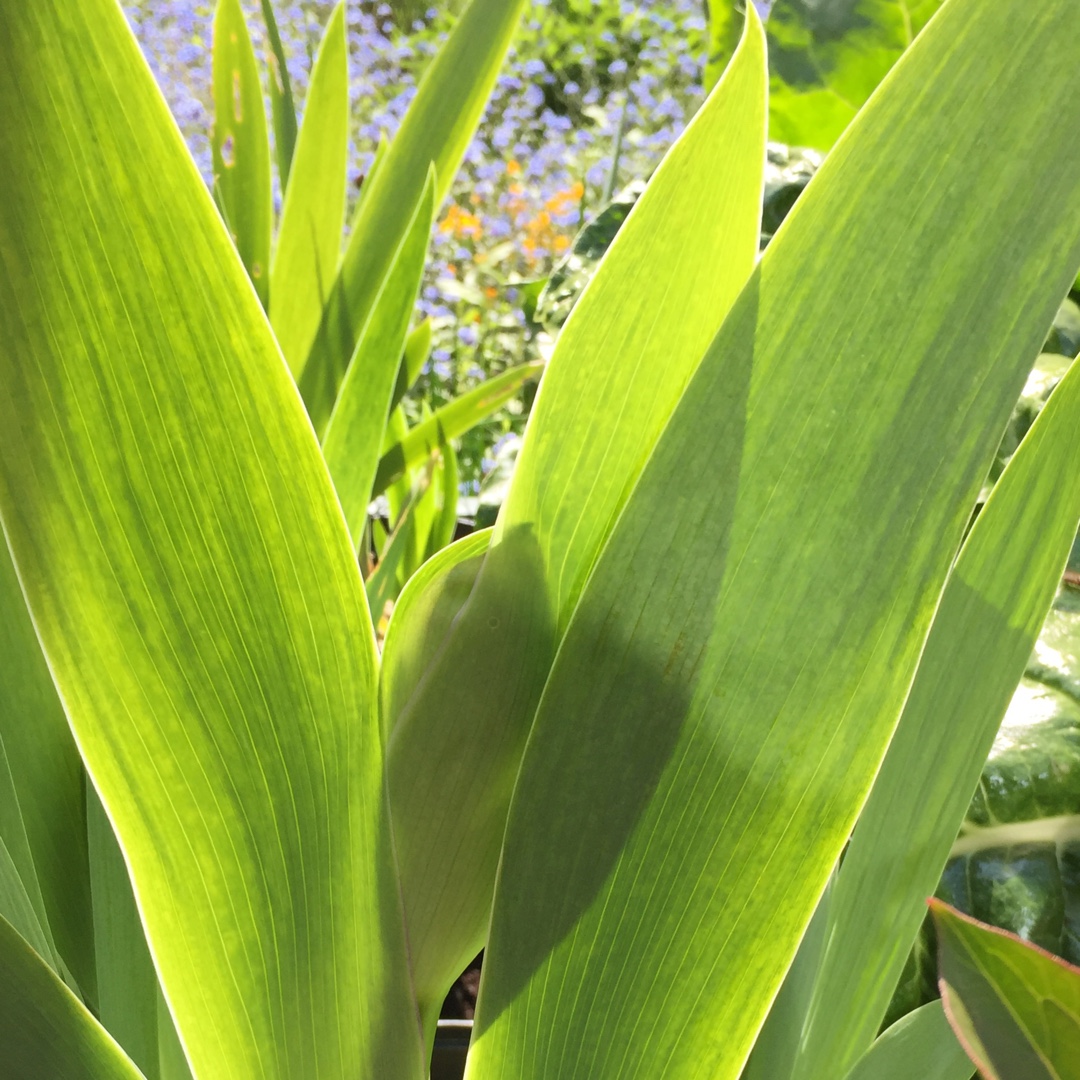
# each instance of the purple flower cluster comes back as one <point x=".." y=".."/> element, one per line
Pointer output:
<point x="584" y="77"/>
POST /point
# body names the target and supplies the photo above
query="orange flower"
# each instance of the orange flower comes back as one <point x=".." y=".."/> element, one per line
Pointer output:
<point x="513" y="168"/>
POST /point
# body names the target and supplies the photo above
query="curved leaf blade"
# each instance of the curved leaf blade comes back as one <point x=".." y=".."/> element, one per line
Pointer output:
<point x="281" y="100"/>
<point x="189" y="573"/>
<point x="723" y="697"/>
<point x="919" y="1046"/>
<point x="240" y="144"/>
<point x="309" y="238"/>
<point x="44" y="1029"/>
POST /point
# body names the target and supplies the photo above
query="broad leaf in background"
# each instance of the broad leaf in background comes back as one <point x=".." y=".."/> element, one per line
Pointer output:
<point x="354" y="435"/>
<point x="45" y="1031"/>
<point x="1015" y="1007"/>
<point x="919" y="1046"/>
<point x="1016" y="863"/>
<point x="986" y="625"/>
<point x="42" y="810"/>
<point x="436" y="130"/>
<point x="731" y="692"/>
<point x="241" y="145"/>
<point x="826" y="57"/>
<point x="281" y="100"/>
<point x="451" y="421"/>
<point x="189" y="573"/>
<point x="618" y="369"/>
<point x="309" y="238"/>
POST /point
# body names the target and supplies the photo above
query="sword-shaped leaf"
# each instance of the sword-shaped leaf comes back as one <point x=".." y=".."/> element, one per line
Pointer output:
<point x="354" y="435"/>
<point x="309" y="239"/>
<point x="986" y="625"/>
<point x="451" y="422"/>
<point x="189" y="573"/>
<point x="240" y="144"/>
<point x="725" y="692"/>
<point x="45" y="1031"/>
<point x="436" y="130"/>
<point x="281" y="100"/>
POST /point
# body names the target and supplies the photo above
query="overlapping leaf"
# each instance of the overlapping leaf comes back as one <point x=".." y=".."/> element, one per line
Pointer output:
<point x="44" y="1029"/>
<point x="240" y="144"/>
<point x="620" y="365"/>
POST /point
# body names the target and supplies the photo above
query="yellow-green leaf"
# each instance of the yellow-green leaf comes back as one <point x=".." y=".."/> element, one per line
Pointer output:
<point x="189" y="573"/>
<point x="45" y="1031"/>
<point x="240" y="144"/>
<point x="309" y="239"/>
<point x="436" y="130"/>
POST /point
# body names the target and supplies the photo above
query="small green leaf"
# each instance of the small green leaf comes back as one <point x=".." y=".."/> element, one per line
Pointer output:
<point x="451" y="422"/>
<point x="309" y="239"/>
<point x="919" y="1046"/>
<point x="446" y="502"/>
<point x="1015" y="1008"/>
<point x="436" y="130"/>
<point x="281" y="100"/>
<point x="240" y="145"/>
<point x="354" y="433"/>
<point x="423" y="616"/>
<point x="45" y="1031"/>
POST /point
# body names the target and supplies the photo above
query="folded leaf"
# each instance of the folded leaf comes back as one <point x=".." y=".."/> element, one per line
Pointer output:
<point x="189" y="573"/>
<point x="436" y="130"/>
<point x="240" y="144"/>
<point x="451" y="422"/>
<point x="44" y="1029"/>
<point x="1015" y="1008"/>
<point x="723" y="695"/>
<point x="621" y="362"/>
<point x="309" y="238"/>
<point x="985" y="627"/>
